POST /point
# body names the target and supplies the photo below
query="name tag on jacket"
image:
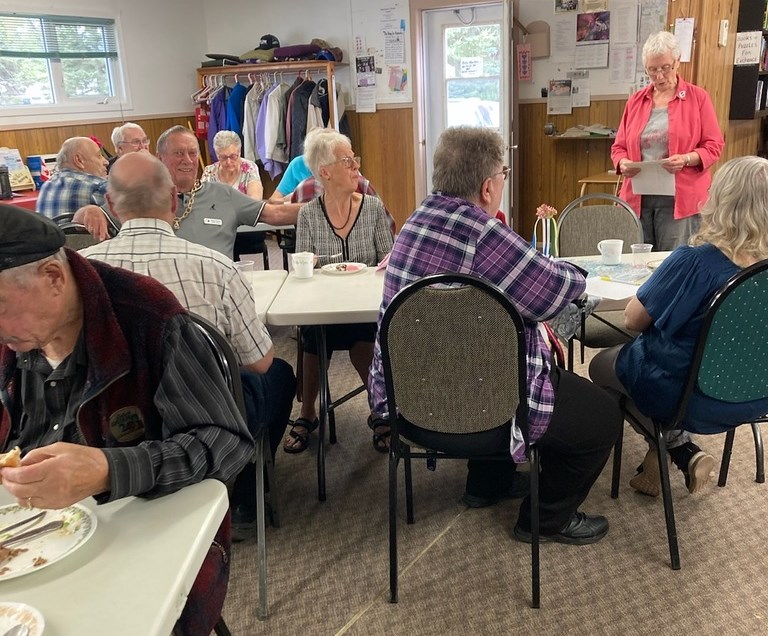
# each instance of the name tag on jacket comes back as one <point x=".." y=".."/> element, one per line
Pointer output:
<point x="208" y="221"/>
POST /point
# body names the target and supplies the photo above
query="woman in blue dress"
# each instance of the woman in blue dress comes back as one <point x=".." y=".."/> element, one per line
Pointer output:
<point x="668" y="311"/>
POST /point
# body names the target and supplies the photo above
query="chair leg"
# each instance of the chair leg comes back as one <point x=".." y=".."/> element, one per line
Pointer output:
<point x="725" y="462"/>
<point x="583" y="331"/>
<point x="220" y="628"/>
<point x="392" y="527"/>
<point x="616" y="475"/>
<point x="263" y="609"/>
<point x="666" y="492"/>
<point x="535" y="572"/>
<point x="570" y="353"/>
<point x="274" y="501"/>
<point x="265" y="256"/>
<point x="408" y="489"/>
<point x="759" y="456"/>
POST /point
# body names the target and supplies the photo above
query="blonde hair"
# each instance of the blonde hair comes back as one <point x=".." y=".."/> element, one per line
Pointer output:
<point x="735" y="217"/>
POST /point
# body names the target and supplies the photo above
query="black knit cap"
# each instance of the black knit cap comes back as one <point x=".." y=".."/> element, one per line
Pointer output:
<point x="26" y="237"/>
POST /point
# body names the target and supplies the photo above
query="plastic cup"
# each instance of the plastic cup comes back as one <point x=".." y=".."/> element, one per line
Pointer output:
<point x="303" y="264"/>
<point x="245" y="267"/>
<point x="640" y="252"/>
<point x="610" y="250"/>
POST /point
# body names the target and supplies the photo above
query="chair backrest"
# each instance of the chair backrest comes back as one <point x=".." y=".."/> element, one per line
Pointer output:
<point x="225" y="356"/>
<point x="730" y="362"/>
<point x="453" y="352"/>
<point x="581" y="227"/>
<point x="76" y="236"/>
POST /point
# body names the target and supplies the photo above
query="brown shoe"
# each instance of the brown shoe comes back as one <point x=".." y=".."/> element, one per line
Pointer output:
<point x="648" y="480"/>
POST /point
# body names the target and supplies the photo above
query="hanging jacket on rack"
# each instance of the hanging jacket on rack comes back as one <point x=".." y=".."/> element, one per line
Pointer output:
<point x="218" y="119"/>
<point x="235" y="108"/>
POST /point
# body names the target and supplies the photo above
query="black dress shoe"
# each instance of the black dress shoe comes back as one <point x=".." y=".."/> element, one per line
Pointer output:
<point x="520" y="487"/>
<point x="582" y="529"/>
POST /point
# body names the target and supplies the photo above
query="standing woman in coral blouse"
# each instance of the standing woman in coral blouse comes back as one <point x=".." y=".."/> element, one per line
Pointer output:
<point x="674" y="120"/>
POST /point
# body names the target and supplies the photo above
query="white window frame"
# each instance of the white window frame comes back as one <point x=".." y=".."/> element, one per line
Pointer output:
<point x="118" y="102"/>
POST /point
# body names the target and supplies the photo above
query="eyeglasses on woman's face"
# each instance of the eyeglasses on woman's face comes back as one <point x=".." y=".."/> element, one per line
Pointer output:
<point x="348" y="162"/>
<point x="655" y="70"/>
<point x="136" y="143"/>
<point x="231" y="157"/>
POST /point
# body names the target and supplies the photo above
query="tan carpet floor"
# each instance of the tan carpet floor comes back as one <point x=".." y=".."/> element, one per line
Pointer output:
<point x="461" y="572"/>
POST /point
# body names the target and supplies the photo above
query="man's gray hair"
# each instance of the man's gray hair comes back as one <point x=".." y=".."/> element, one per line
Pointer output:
<point x="224" y="139"/>
<point x="118" y="133"/>
<point x="464" y="158"/>
<point x="319" y="147"/>
<point x="21" y="276"/>
<point x="661" y="43"/>
<point x="140" y="197"/>
<point x="66" y="157"/>
<point x="162" y="140"/>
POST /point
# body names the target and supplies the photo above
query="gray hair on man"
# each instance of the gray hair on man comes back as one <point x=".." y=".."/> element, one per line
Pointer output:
<point x="464" y="158"/>
<point x="118" y="132"/>
<point x="139" y="186"/>
<point x="21" y="276"/>
<point x="661" y="43"/>
<point x="224" y="139"/>
<point x="162" y="140"/>
<point x="66" y="157"/>
<point x="319" y="147"/>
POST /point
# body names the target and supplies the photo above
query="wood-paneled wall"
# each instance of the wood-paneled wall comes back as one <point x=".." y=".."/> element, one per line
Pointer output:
<point x="48" y="140"/>
<point x="384" y="141"/>
<point x="550" y="168"/>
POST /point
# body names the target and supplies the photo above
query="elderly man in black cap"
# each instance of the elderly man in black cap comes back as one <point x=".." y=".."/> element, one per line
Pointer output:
<point x="131" y="405"/>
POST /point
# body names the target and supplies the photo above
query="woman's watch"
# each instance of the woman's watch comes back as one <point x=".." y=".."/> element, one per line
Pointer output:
<point x="687" y="159"/>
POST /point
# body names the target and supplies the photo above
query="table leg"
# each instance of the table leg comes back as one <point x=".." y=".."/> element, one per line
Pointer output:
<point x="323" y="414"/>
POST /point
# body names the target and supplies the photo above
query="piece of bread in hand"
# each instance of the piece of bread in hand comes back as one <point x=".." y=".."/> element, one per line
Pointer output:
<point x="11" y="458"/>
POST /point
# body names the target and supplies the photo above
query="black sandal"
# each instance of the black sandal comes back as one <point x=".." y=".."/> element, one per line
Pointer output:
<point x="301" y="439"/>
<point x="380" y="439"/>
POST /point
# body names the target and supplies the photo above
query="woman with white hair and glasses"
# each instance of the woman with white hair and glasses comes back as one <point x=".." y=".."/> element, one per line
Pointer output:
<point x="668" y="311"/>
<point x="674" y="121"/>
<point x="339" y="226"/>
<point x="231" y="168"/>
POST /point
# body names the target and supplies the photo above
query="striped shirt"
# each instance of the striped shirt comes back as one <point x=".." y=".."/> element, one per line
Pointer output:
<point x="448" y="234"/>
<point x="367" y="242"/>
<point x="203" y="280"/>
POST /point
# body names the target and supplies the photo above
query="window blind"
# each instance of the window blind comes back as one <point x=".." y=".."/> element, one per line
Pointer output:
<point x="56" y="37"/>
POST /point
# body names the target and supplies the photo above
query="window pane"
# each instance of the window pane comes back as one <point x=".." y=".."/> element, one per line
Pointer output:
<point x="86" y="78"/>
<point x="24" y="81"/>
<point x="463" y="44"/>
<point x="473" y="102"/>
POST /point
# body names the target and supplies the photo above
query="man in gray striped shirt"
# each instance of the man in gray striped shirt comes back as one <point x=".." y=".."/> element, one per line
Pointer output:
<point x="143" y="196"/>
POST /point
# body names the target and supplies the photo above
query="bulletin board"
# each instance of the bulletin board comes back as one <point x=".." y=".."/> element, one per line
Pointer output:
<point x="617" y="70"/>
<point x="381" y="30"/>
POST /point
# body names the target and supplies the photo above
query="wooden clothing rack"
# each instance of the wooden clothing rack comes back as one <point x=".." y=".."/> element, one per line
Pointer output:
<point x="310" y="67"/>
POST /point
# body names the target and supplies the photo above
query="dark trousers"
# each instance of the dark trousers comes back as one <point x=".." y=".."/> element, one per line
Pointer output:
<point x="268" y="402"/>
<point x="585" y="425"/>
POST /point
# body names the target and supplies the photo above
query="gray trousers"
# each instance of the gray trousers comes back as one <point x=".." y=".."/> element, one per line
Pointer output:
<point x="602" y="371"/>
<point x="660" y="229"/>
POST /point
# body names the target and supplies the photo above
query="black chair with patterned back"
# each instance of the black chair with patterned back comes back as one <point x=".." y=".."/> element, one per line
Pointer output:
<point x="730" y="364"/>
<point x="453" y="352"/>
<point x="585" y="222"/>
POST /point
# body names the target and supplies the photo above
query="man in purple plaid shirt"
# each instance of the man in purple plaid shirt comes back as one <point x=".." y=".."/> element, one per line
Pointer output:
<point x="574" y="423"/>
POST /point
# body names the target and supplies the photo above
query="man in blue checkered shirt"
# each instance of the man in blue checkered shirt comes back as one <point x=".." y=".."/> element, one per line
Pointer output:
<point x="80" y="179"/>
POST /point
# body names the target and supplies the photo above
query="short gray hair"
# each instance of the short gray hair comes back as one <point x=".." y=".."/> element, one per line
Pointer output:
<point x="319" y="146"/>
<point x="162" y="140"/>
<point x="734" y="217"/>
<point x="133" y="196"/>
<point x="66" y="157"/>
<point x="118" y="133"/>
<point x="464" y="158"/>
<point x="224" y="139"/>
<point x="21" y="276"/>
<point x="661" y="43"/>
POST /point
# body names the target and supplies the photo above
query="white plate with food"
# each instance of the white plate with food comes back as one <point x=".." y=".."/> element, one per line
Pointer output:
<point x="13" y="614"/>
<point x="344" y="268"/>
<point x="78" y="525"/>
<point x="654" y="264"/>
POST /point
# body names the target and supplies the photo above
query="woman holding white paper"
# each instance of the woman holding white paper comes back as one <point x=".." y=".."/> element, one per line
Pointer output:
<point x="674" y="121"/>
